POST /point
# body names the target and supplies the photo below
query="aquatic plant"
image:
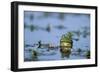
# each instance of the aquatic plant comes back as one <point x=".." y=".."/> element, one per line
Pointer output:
<point x="32" y="28"/>
<point x="87" y="54"/>
<point x="48" y="28"/>
<point x="47" y="14"/>
<point x="78" y="33"/>
<point x="39" y="44"/>
<point x="30" y="49"/>
<point x="34" y="55"/>
<point x="61" y="16"/>
<point x="79" y="51"/>
<point x="31" y="17"/>
<point x="86" y="31"/>
<point x="60" y="26"/>
<point x="26" y="26"/>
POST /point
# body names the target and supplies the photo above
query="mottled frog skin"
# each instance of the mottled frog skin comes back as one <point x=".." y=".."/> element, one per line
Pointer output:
<point x="66" y="44"/>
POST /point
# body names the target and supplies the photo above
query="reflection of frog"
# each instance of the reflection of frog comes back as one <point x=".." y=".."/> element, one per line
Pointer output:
<point x="66" y="44"/>
<point x="65" y="53"/>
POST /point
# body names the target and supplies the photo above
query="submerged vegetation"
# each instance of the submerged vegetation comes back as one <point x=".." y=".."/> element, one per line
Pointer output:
<point x="88" y="54"/>
<point x="34" y="55"/>
<point x="32" y="28"/>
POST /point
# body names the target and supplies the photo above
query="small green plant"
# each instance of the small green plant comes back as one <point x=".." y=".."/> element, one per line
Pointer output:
<point x="88" y="54"/>
<point x="32" y="27"/>
<point x="79" y="51"/>
<point x="34" y="55"/>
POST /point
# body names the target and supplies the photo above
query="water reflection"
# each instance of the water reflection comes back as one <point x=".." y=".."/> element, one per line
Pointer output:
<point x="65" y="53"/>
<point x="40" y="54"/>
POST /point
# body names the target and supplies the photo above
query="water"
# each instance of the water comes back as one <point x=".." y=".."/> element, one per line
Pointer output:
<point x="45" y="55"/>
<point x="55" y="54"/>
<point x="49" y="30"/>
